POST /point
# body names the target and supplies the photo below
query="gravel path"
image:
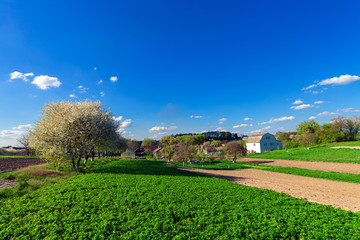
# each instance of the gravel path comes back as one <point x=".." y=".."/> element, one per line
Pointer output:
<point x="350" y="147"/>
<point x="322" y="166"/>
<point x="337" y="194"/>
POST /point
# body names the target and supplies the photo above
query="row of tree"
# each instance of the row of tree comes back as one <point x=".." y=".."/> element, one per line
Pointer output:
<point x="310" y="133"/>
<point x="179" y="149"/>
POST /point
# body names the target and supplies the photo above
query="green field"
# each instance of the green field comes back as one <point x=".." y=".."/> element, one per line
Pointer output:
<point x="20" y="156"/>
<point x="321" y="153"/>
<point x="139" y="199"/>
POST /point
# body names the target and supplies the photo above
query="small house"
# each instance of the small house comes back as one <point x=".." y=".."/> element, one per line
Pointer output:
<point x="262" y="142"/>
<point x="128" y="154"/>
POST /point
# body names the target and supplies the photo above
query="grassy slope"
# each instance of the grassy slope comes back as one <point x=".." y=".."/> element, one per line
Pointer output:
<point x="322" y="153"/>
<point x="336" y="176"/>
<point x="134" y="199"/>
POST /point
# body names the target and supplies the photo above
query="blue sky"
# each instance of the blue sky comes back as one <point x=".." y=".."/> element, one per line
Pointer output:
<point x="157" y="63"/>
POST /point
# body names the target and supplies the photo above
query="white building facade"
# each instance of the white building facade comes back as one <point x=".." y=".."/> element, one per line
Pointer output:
<point x="263" y="142"/>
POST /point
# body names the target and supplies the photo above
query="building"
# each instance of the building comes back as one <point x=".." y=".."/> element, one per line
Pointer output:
<point x="263" y="142"/>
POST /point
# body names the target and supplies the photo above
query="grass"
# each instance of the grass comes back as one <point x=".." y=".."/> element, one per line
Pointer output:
<point x="140" y="199"/>
<point x="321" y="153"/>
<point x="223" y="165"/>
<point x="34" y="177"/>
<point x="18" y="156"/>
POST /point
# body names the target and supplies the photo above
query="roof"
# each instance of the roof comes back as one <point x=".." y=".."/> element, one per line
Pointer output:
<point x="256" y="138"/>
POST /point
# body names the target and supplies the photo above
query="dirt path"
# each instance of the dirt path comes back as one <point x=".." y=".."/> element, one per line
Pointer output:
<point x="350" y="147"/>
<point x="337" y="194"/>
<point x="322" y="166"/>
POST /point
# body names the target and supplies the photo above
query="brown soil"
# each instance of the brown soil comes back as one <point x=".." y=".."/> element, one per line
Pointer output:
<point x="351" y="147"/>
<point x="337" y="194"/>
<point x="322" y="166"/>
<point x="6" y="184"/>
<point x="11" y="164"/>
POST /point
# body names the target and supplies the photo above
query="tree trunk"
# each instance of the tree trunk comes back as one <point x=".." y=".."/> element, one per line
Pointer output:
<point x="78" y="163"/>
<point x="98" y="154"/>
<point x="73" y="164"/>
<point x="92" y="155"/>
<point x="183" y="163"/>
<point x="86" y="158"/>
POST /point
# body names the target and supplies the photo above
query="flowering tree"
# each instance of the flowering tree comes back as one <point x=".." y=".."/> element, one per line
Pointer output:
<point x="72" y="130"/>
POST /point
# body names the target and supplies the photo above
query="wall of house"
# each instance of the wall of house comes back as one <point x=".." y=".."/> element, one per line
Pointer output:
<point x="268" y="143"/>
<point x="253" y="147"/>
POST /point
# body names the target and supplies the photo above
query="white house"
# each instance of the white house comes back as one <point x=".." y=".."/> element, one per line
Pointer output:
<point x="262" y="142"/>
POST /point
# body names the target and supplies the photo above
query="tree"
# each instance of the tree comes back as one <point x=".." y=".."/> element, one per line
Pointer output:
<point x="132" y="145"/>
<point x="148" y="142"/>
<point x="233" y="148"/>
<point x="168" y="144"/>
<point x="72" y="130"/>
<point x="182" y="153"/>
<point x="307" y="127"/>
<point x="216" y="143"/>
<point x="202" y="150"/>
<point x="25" y="142"/>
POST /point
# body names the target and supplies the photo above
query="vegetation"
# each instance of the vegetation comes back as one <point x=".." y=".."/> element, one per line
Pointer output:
<point x="324" y="153"/>
<point x="148" y="142"/>
<point x="73" y="130"/>
<point x="310" y="133"/>
<point x="142" y="199"/>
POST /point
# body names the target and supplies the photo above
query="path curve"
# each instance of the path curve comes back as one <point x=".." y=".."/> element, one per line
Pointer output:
<point x="337" y="194"/>
<point x="322" y="166"/>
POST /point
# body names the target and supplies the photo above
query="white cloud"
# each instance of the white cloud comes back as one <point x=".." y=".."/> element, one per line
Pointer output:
<point x="275" y="120"/>
<point x="102" y="94"/>
<point x="95" y="68"/>
<point x="192" y="116"/>
<point x="22" y="127"/>
<point x="118" y="118"/>
<point x="327" y="114"/>
<point x="312" y="118"/>
<point x="248" y="119"/>
<point x="319" y="102"/>
<point x="82" y="89"/>
<point x="126" y="123"/>
<point x="44" y="82"/>
<point x="72" y="95"/>
<point x="100" y="82"/>
<point x="114" y="79"/>
<point x="302" y="106"/>
<point x="222" y="120"/>
<point x="11" y="133"/>
<point x="19" y="75"/>
<point x="242" y="125"/>
<point x="221" y="129"/>
<point x="297" y="102"/>
<point x="348" y="110"/>
<point x="260" y="130"/>
<point x="342" y="80"/>
<point x="162" y="128"/>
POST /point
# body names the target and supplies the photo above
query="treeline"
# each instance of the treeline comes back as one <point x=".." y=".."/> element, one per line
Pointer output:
<point x="309" y="133"/>
<point x="198" y="147"/>
<point x="216" y="135"/>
